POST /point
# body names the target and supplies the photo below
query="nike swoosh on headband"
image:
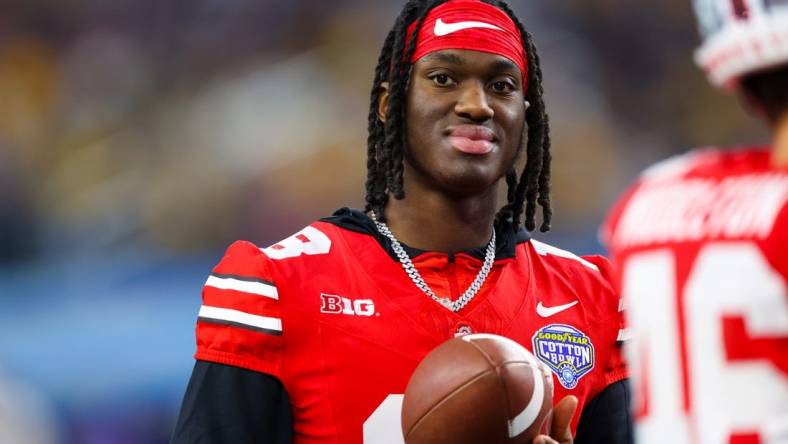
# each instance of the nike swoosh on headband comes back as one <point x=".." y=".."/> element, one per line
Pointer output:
<point x="442" y="28"/>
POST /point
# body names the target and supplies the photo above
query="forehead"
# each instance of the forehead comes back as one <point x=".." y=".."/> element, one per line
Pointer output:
<point x="459" y="58"/>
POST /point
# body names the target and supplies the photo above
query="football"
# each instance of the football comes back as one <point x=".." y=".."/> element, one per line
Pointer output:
<point x="478" y="388"/>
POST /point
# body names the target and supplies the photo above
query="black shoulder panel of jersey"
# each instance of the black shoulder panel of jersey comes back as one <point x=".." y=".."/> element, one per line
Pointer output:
<point x="607" y="419"/>
<point x="225" y="404"/>
<point x="356" y="220"/>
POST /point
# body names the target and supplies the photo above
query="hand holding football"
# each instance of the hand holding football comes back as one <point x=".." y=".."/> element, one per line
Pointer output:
<point x="479" y="388"/>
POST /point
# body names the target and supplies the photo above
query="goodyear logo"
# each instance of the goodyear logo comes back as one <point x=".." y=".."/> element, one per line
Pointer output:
<point x="566" y="350"/>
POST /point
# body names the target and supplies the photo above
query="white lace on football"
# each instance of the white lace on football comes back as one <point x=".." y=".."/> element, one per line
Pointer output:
<point x="415" y="276"/>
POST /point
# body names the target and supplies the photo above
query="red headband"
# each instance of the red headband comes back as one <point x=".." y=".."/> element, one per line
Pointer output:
<point x="470" y="24"/>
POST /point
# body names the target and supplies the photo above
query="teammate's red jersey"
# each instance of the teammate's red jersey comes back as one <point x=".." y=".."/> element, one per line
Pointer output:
<point x="333" y="315"/>
<point x="701" y="242"/>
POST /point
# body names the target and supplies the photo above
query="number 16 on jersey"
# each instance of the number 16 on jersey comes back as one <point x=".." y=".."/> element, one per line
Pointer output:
<point x="709" y="356"/>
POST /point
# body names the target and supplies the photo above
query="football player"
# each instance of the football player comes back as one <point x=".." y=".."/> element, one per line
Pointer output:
<point x="314" y="338"/>
<point x="701" y="241"/>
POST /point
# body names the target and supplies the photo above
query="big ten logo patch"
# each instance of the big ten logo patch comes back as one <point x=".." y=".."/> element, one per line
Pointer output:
<point x="331" y="303"/>
<point x="567" y="351"/>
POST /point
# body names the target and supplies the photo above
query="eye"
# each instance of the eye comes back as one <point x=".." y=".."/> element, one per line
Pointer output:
<point x="502" y="86"/>
<point x="442" y="80"/>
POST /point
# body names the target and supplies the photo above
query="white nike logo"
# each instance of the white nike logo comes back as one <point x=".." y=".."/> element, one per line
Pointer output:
<point x="442" y="28"/>
<point x="546" y="312"/>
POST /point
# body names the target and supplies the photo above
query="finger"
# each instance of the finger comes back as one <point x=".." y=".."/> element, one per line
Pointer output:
<point x="562" y="416"/>
<point x="544" y="439"/>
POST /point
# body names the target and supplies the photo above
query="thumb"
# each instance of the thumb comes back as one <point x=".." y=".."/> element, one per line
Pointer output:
<point x="562" y="416"/>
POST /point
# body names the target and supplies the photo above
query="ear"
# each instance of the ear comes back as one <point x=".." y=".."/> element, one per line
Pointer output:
<point x="383" y="100"/>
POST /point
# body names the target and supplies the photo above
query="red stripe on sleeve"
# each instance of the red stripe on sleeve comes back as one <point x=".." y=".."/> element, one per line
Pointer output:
<point x="245" y="302"/>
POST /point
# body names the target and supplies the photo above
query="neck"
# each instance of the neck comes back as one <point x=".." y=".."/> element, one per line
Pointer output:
<point x="780" y="146"/>
<point x="432" y="221"/>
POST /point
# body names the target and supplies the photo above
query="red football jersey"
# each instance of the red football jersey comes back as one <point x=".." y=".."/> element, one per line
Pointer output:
<point x="701" y="243"/>
<point x="334" y="316"/>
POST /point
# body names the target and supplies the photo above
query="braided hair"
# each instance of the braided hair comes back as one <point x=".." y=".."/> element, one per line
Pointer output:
<point x="386" y="140"/>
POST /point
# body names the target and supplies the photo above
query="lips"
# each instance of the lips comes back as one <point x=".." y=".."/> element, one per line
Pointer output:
<point x="471" y="139"/>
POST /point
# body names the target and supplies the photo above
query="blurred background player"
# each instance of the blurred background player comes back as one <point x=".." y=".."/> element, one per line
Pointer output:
<point x="314" y="338"/>
<point x="701" y="241"/>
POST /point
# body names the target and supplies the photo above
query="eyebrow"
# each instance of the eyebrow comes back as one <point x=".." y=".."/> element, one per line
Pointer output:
<point x="504" y="65"/>
<point x="447" y="58"/>
<point x="501" y="64"/>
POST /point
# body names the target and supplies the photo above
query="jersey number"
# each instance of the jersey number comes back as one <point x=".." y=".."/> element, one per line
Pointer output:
<point x="384" y="424"/>
<point x="309" y="241"/>
<point x="709" y="359"/>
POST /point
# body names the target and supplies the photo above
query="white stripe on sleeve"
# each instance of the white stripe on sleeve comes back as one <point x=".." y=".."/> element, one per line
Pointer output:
<point x="229" y="283"/>
<point x="239" y="317"/>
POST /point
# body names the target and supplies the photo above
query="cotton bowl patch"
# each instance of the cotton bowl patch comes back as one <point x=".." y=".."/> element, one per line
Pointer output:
<point x="566" y="350"/>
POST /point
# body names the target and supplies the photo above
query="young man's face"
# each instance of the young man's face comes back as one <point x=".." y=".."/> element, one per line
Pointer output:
<point x="465" y="119"/>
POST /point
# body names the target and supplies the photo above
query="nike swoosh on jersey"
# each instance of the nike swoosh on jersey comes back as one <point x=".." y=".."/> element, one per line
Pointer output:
<point x="546" y="312"/>
<point x="442" y="28"/>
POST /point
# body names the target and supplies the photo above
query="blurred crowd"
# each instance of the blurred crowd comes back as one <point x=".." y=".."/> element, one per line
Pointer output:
<point x="138" y="138"/>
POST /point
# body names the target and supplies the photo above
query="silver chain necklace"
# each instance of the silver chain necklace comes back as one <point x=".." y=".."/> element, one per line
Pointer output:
<point x="415" y="276"/>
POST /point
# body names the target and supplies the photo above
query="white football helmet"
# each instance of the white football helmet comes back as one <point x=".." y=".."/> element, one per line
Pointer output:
<point x="741" y="37"/>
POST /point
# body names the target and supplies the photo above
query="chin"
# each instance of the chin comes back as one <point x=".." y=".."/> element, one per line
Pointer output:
<point x="471" y="181"/>
<point x="457" y="174"/>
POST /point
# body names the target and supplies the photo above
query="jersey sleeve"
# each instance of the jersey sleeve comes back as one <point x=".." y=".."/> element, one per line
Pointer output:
<point x="614" y="364"/>
<point x="240" y="320"/>
<point x="607" y="418"/>
<point x="225" y="404"/>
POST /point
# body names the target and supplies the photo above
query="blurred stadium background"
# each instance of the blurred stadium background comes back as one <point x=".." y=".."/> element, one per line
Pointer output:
<point x="138" y="138"/>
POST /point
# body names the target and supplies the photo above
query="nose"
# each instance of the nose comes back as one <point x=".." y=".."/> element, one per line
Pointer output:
<point x="473" y="104"/>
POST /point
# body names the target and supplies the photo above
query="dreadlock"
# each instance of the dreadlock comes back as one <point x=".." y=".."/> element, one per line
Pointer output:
<point x="386" y="140"/>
